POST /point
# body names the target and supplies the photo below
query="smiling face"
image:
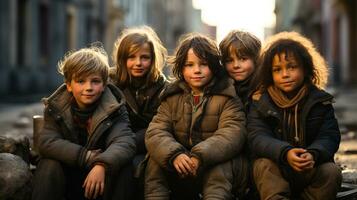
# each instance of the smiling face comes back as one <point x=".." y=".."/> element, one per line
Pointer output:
<point x="139" y="62"/>
<point x="196" y="72"/>
<point x="86" y="90"/>
<point x="288" y="74"/>
<point x="239" y="68"/>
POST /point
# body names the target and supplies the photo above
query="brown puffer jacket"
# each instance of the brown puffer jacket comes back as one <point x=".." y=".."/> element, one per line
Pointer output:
<point x="215" y="133"/>
<point x="109" y="131"/>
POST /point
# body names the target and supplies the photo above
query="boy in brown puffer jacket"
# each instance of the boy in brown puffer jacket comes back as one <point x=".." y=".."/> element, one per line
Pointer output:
<point x="195" y="140"/>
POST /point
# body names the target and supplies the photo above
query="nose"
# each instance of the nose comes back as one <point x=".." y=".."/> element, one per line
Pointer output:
<point x="88" y="86"/>
<point x="137" y="61"/>
<point x="196" y="69"/>
<point x="285" y="73"/>
<point x="236" y="63"/>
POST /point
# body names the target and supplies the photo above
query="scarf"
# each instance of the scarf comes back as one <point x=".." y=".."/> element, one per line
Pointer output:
<point x="82" y="119"/>
<point x="291" y="109"/>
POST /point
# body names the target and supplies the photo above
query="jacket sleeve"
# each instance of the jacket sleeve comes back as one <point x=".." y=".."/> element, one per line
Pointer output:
<point x="261" y="139"/>
<point x="328" y="139"/>
<point x="53" y="145"/>
<point x="159" y="139"/>
<point x="120" y="143"/>
<point x="229" y="137"/>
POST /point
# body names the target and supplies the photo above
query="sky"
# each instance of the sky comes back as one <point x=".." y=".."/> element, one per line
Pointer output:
<point x="248" y="15"/>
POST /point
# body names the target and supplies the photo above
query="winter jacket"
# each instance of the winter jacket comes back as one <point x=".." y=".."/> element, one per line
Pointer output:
<point x="109" y="131"/>
<point x="317" y="122"/>
<point x="140" y="117"/>
<point x="244" y="91"/>
<point x="215" y="133"/>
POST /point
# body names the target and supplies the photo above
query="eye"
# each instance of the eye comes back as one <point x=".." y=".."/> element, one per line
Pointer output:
<point x="276" y="69"/>
<point x="131" y="56"/>
<point x="80" y="81"/>
<point x="204" y="63"/>
<point x="188" y="65"/>
<point x="97" y="81"/>
<point x="146" y="57"/>
<point x="243" y="58"/>
<point x="229" y="60"/>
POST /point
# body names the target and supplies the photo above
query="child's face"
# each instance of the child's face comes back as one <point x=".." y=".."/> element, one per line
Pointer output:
<point x="239" y="68"/>
<point x="288" y="74"/>
<point x="138" y="63"/>
<point x="86" y="90"/>
<point x="196" y="72"/>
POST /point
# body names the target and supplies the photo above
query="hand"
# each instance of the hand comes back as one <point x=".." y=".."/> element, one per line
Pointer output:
<point x="310" y="162"/>
<point x="94" y="182"/>
<point x="184" y="165"/>
<point x="196" y="165"/>
<point x="299" y="159"/>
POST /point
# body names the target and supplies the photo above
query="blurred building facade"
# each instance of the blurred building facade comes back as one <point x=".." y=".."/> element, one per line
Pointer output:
<point x="35" y="34"/>
<point x="332" y="26"/>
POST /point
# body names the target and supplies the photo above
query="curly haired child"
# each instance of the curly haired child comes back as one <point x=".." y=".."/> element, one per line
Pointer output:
<point x="292" y="129"/>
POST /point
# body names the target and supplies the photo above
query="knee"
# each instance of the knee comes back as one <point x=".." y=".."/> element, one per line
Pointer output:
<point x="263" y="163"/>
<point x="220" y="173"/>
<point x="330" y="171"/>
<point x="218" y="182"/>
<point x="49" y="168"/>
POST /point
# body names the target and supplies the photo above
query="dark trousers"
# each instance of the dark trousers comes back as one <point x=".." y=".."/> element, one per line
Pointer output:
<point x="55" y="181"/>
<point x="321" y="182"/>
<point x="138" y="185"/>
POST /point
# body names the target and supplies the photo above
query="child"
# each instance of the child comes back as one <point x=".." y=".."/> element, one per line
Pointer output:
<point x="139" y="58"/>
<point x="292" y="128"/>
<point x="240" y="52"/>
<point x="86" y="140"/>
<point x="199" y="128"/>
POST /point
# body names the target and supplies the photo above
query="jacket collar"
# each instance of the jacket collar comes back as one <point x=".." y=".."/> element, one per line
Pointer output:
<point x="60" y="103"/>
<point x="266" y="106"/>
<point x="223" y="87"/>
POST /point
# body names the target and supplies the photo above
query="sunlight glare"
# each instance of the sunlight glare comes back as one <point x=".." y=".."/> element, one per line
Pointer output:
<point x="237" y="14"/>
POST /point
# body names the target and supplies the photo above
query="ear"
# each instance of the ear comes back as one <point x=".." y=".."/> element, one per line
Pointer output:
<point x="69" y="87"/>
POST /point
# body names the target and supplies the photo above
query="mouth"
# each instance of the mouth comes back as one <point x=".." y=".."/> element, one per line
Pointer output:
<point x="88" y="95"/>
<point x="238" y="73"/>
<point x="197" y="78"/>
<point x="138" y="70"/>
<point x="287" y="83"/>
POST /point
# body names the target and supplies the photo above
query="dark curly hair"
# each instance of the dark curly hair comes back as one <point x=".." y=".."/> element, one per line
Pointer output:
<point x="289" y="47"/>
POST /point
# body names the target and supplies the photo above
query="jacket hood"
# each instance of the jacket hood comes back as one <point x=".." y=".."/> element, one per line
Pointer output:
<point x="223" y="87"/>
<point x="319" y="63"/>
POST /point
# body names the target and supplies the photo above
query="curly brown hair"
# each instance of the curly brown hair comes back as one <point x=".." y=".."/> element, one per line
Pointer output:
<point x="315" y="67"/>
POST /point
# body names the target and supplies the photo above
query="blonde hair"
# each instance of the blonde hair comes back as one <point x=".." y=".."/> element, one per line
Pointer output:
<point x="131" y="40"/>
<point x="84" y="62"/>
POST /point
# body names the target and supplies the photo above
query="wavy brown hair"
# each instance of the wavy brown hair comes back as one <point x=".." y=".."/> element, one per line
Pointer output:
<point x="130" y="41"/>
<point x="204" y="48"/>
